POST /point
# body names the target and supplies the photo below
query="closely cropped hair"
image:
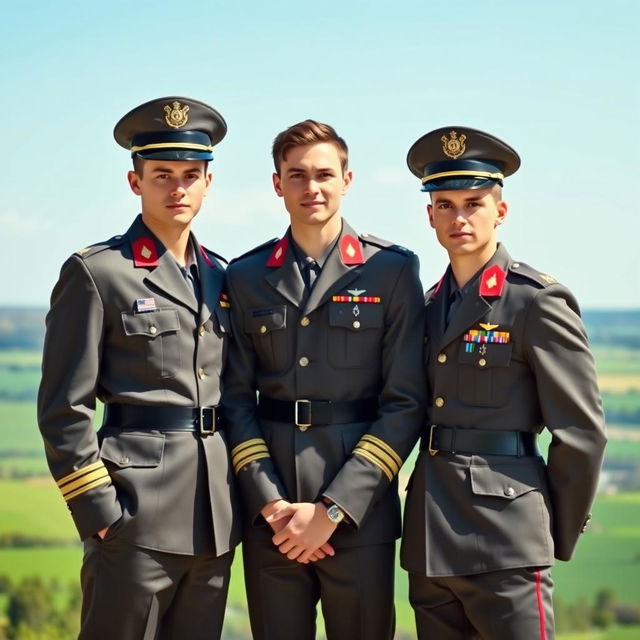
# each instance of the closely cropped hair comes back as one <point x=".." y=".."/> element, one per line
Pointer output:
<point x="304" y="133"/>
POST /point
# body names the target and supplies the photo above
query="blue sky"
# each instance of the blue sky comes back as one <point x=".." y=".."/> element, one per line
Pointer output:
<point x="556" y="80"/>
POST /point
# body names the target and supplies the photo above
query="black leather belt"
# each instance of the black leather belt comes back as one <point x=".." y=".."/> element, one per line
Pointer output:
<point x="203" y="420"/>
<point x="479" y="441"/>
<point x="308" y="413"/>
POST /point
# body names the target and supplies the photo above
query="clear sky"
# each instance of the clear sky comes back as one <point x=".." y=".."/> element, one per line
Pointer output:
<point x="557" y="80"/>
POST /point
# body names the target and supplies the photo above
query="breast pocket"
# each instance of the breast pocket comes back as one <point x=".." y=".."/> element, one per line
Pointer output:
<point x="355" y="336"/>
<point x="156" y="334"/>
<point x="267" y="328"/>
<point x="483" y="373"/>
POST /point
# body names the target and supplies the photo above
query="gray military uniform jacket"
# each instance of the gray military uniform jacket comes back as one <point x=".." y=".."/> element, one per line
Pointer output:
<point x="125" y="327"/>
<point x="358" y="335"/>
<point x="468" y="514"/>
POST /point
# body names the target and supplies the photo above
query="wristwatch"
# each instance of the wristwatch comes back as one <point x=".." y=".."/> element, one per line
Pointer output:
<point x="335" y="513"/>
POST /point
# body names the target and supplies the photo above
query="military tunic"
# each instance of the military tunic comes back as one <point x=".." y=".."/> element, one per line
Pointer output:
<point x="357" y="336"/>
<point x="513" y="358"/>
<point x="124" y="327"/>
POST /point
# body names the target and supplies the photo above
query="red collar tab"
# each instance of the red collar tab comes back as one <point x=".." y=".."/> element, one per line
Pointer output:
<point x="206" y="258"/>
<point x="145" y="253"/>
<point x="437" y="289"/>
<point x="492" y="281"/>
<point x="278" y="254"/>
<point x="350" y="250"/>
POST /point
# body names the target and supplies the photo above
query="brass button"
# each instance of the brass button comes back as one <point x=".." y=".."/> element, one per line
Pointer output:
<point x="439" y="402"/>
<point x="202" y="330"/>
<point x="356" y="324"/>
<point x="304" y="361"/>
<point x="515" y="265"/>
<point x="125" y="460"/>
<point x="426" y="339"/>
<point x="201" y="373"/>
<point x="153" y="330"/>
<point x="304" y="321"/>
<point x="482" y="362"/>
<point x="442" y="357"/>
<point x="509" y="492"/>
<point x="263" y="329"/>
<point x="303" y="427"/>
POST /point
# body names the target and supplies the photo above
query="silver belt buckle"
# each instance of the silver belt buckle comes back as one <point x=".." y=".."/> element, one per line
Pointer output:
<point x="202" y="430"/>
<point x="303" y="426"/>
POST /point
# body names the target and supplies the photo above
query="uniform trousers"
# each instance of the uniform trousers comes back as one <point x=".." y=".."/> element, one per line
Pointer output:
<point x="355" y="589"/>
<point x="131" y="593"/>
<point x="513" y="604"/>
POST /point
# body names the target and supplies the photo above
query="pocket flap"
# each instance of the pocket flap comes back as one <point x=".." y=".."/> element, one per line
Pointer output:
<point x="152" y="323"/>
<point x="133" y="449"/>
<point x="356" y="317"/>
<point x="263" y="321"/>
<point x="504" y="481"/>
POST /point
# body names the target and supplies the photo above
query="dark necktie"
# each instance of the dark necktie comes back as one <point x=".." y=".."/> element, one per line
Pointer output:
<point x="191" y="276"/>
<point x="455" y="300"/>
<point x="310" y="272"/>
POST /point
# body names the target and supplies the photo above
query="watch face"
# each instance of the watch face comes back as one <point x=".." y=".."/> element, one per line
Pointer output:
<point x="335" y="513"/>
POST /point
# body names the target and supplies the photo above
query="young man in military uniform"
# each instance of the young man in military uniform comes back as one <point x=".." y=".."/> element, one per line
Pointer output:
<point x="328" y="330"/>
<point x="140" y="322"/>
<point x="506" y="356"/>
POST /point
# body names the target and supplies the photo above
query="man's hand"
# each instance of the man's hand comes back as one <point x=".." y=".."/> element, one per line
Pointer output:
<point x="305" y="536"/>
<point x="275" y="506"/>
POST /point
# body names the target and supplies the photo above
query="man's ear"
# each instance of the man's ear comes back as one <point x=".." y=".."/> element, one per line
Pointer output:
<point x="430" y="214"/>
<point x="503" y="209"/>
<point x="276" y="184"/>
<point x="134" y="182"/>
<point x="347" y="177"/>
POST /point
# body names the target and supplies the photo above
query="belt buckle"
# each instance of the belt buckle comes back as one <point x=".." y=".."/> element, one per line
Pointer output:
<point x="303" y="426"/>
<point x="206" y="421"/>
<point x="432" y="451"/>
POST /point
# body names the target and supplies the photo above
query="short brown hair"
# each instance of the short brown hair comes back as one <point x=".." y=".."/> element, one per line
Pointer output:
<point x="304" y="133"/>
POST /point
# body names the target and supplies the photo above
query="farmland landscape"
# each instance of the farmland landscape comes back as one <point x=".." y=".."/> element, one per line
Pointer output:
<point x="597" y="594"/>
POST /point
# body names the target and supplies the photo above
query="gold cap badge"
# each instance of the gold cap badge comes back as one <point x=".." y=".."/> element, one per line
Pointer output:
<point x="176" y="117"/>
<point x="454" y="147"/>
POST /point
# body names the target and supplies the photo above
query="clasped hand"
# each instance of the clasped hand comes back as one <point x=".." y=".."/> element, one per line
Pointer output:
<point x="301" y="529"/>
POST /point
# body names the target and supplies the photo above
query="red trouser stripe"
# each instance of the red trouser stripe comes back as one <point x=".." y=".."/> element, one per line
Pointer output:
<point x="543" y="630"/>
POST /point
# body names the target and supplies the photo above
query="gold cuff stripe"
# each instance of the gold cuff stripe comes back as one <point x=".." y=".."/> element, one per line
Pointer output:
<point x="477" y="174"/>
<point x="172" y="145"/>
<point x="80" y="472"/>
<point x="245" y="461"/>
<point x="384" y="445"/>
<point x="381" y="454"/>
<point x="365" y="454"/>
<point x="91" y="485"/>
<point x="81" y="482"/>
<point x="239" y="457"/>
<point x="245" y="444"/>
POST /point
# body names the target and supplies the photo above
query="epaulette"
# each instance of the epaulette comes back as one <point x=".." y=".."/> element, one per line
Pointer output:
<point x="91" y="250"/>
<point x="260" y="247"/>
<point x="384" y="244"/>
<point x="525" y="270"/>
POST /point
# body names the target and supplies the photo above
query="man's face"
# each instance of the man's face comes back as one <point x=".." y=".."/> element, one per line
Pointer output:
<point x="465" y="221"/>
<point x="312" y="183"/>
<point x="171" y="191"/>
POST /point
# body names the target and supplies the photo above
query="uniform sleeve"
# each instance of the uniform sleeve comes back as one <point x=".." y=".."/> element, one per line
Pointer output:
<point x="381" y="451"/>
<point x="67" y="399"/>
<point x="252" y="463"/>
<point x="571" y="409"/>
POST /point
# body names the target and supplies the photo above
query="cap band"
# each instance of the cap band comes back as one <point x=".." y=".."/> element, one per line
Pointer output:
<point x="475" y="174"/>
<point x="172" y="145"/>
